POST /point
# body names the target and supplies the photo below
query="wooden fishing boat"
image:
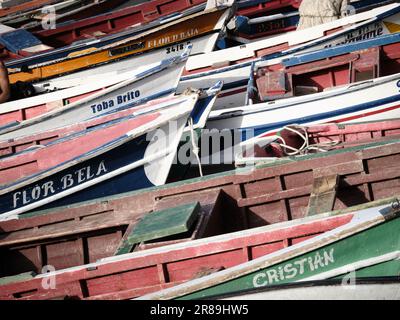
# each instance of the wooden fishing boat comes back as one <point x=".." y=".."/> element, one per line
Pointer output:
<point x="344" y="84"/>
<point x="65" y="10"/>
<point x="30" y="12"/>
<point x="200" y="114"/>
<point x="133" y="153"/>
<point x="262" y="26"/>
<point x="246" y="198"/>
<point x="20" y="43"/>
<point x="23" y="109"/>
<point x="233" y="65"/>
<point x="374" y="288"/>
<point x="13" y="146"/>
<point x="118" y="20"/>
<point x="367" y="245"/>
<point x="122" y="50"/>
<point x="235" y="76"/>
<point x="136" y="89"/>
<point x="145" y="12"/>
<point x="145" y="271"/>
<point x="114" y="21"/>
<point x="299" y="140"/>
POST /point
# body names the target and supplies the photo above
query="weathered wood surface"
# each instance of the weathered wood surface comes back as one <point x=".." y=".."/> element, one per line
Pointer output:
<point x="323" y="195"/>
<point x="160" y="224"/>
<point x="85" y="236"/>
<point x="137" y="273"/>
<point x="115" y="21"/>
<point x="241" y="199"/>
<point x="368" y="245"/>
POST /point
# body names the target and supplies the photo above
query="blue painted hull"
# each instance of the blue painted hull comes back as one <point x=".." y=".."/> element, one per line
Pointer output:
<point x="66" y="179"/>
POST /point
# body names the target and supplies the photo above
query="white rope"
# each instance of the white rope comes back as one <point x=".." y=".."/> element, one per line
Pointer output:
<point x="304" y="149"/>
<point x="196" y="149"/>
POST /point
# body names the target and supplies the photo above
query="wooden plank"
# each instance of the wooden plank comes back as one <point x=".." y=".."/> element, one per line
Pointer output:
<point x="160" y="224"/>
<point x="66" y="229"/>
<point x="323" y="195"/>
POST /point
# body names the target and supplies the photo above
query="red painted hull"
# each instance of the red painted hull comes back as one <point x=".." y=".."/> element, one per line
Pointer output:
<point x="338" y="136"/>
<point x="41" y="159"/>
<point x="235" y="201"/>
<point x="152" y="271"/>
<point x="10" y="147"/>
<point x="319" y="75"/>
<point x="113" y="22"/>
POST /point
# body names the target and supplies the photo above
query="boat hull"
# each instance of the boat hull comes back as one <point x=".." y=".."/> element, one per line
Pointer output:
<point x="180" y="262"/>
<point x="122" y="95"/>
<point x="128" y="162"/>
<point x="367" y="246"/>
<point x="348" y="105"/>
<point x="243" y="199"/>
<point x="233" y="65"/>
<point x="162" y="39"/>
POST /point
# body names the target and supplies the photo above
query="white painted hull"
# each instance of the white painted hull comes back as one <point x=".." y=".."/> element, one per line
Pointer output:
<point x="369" y="101"/>
<point x="363" y="291"/>
<point x="60" y="98"/>
<point x="135" y="90"/>
<point x="235" y="76"/>
<point x="202" y="44"/>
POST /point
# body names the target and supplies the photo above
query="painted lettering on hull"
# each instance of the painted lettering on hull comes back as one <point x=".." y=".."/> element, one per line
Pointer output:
<point x="365" y="33"/>
<point x="125" y="49"/>
<point x="118" y="101"/>
<point x="46" y="189"/>
<point x="177" y="47"/>
<point x="292" y="270"/>
<point x="271" y="26"/>
<point x="172" y="38"/>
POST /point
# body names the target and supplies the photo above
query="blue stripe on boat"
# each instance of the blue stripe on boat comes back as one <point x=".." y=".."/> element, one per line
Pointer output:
<point x="335" y="35"/>
<point x="343" y="49"/>
<point x="258" y="130"/>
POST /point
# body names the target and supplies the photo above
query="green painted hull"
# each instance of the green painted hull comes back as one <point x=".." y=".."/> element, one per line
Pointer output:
<point x="338" y="259"/>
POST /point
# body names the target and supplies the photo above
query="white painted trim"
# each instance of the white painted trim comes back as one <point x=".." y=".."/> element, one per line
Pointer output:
<point x="395" y="255"/>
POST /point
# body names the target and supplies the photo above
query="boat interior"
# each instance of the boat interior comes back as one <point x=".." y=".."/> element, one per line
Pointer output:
<point x="296" y="140"/>
<point x="220" y="204"/>
<point x="283" y="81"/>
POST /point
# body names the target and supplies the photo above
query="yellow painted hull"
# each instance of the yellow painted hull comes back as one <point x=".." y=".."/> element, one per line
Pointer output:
<point x="192" y="26"/>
